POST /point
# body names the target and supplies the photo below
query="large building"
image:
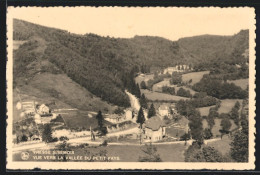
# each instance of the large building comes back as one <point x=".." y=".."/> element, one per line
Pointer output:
<point x="155" y="129"/>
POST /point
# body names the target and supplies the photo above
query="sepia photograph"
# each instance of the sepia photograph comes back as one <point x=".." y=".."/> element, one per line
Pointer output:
<point x="130" y="88"/>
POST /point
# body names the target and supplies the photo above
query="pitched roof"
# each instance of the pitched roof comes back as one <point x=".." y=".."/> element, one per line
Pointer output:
<point x="154" y="123"/>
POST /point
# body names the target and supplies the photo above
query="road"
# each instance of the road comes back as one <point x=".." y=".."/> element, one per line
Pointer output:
<point x="133" y="101"/>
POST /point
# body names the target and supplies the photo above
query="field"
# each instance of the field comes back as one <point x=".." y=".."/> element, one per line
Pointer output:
<point x="144" y="77"/>
<point x="223" y="145"/>
<point x="129" y="153"/>
<point x="158" y="87"/>
<point x="73" y="95"/>
<point x="227" y="105"/>
<point x="204" y="111"/>
<point x="153" y="96"/>
<point x="243" y="83"/>
<point x="217" y="127"/>
<point x="195" y="76"/>
<point x="80" y="119"/>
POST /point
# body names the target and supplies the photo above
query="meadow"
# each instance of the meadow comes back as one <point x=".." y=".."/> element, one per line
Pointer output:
<point x="194" y="76"/>
<point x="144" y="77"/>
<point x="217" y="127"/>
<point x="204" y="111"/>
<point x="166" y="82"/>
<point x="243" y="83"/>
<point x="227" y="105"/>
<point x="153" y="96"/>
<point x="223" y="145"/>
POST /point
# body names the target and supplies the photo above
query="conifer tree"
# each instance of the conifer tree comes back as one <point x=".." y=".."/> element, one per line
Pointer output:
<point x="151" y="111"/>
<point x="140" y="117"/>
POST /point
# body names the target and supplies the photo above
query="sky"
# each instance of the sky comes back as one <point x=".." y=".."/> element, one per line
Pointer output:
<point x="123" y="22"/>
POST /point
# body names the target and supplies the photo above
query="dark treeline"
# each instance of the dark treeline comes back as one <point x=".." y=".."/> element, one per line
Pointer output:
<point x="219" y="89"/>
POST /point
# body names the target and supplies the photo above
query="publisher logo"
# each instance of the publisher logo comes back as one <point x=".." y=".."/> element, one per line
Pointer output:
<point x="24" y="155"/>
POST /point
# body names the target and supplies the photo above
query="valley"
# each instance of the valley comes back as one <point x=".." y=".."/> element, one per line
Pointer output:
<point x="114" y="95"/>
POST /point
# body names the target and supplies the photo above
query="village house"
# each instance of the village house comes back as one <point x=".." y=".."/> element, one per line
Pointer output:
<point x="129" y="114"/>
<point x="43" y="109"/>
<point x="155" y="129"/>
<point x="177" y="68"/>
<point x="164" y="110"/>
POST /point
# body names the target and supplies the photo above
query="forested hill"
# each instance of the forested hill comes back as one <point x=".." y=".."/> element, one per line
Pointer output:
<point x="100" y="64"/>
<point x="209" y="49"/>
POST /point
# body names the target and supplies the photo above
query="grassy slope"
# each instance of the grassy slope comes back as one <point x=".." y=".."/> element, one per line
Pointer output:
<point x="160" y="96"/>
<point x="243" y="83"/>
<point x="195" y="76"/>
<point x="63" y="88"/>
<point x="227" y="105"/>
<point x="217" y="127"/>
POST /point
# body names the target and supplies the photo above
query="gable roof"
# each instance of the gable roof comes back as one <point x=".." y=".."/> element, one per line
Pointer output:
<point x="154" y="123"/>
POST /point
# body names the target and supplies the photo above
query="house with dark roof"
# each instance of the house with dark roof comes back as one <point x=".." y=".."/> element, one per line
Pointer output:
<point x="154" y="129"/>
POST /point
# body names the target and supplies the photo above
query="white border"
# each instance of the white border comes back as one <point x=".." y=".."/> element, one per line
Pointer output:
<point x="132" y="165"/>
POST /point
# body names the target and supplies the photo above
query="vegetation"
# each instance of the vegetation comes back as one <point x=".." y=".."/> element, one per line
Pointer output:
<point x="226" y="125"/>
<point x="151" y="111"/>
<point x="168" y="90"/>
<point x="140" y="117"/>
<point x="47" y="133"/>
<point x="218" y="89"/>
<point x="196" y="127"/>
<point x="151" y="154"/>
<point x="239" y="144"/>
<point x="234" y="114"/>
<point x="143" y="85"/>
<point x="184" y="93"/>
<point x="239" y="147"/>
<point x="143" y="101"/>
<point x="100" y="120"/>
<point x="176" y="78"/>
<point x="195" y="153"/>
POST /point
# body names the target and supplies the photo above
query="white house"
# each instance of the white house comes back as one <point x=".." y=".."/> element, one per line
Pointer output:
<point x="43" y="109"/>
<point x="164" y="110"/>
<point x="128" y="114"/>
<point x="155" y="129"/>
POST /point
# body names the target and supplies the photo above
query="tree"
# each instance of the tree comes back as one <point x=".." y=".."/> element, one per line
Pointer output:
<point x="196" y="127"/>
<point x="140" y="117"/>
<point x="138" y="92"/>
<point x="226" y="125"/>
<point x="47" y="133"/>
<point x="211" y="118"/>
<point x="207" y="133"/>
<point x="151" y="111"/>
<point x="234" y="114"/>
<point x="239" y="147"/>
<point x="176" y="78"/>
<point x="184" y="93"/>
<point x="143" y="85"/>
<point x="244" y="124"/>
<point x="24" y="138"/>
<point x="206" y="154"/>
<point x="151" y="154"/>
<point x="119" y="111"/>
<point x="143" y="101"/>
<point x="211" y="154"/>
<point x="100" y="119"/>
